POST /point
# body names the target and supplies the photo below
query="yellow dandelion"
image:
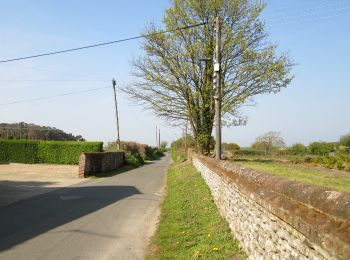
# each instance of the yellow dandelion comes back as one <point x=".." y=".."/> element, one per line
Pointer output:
<point x="197" y="254"/>
<point x="215" y="249"/>
<point x="209" y="235"/>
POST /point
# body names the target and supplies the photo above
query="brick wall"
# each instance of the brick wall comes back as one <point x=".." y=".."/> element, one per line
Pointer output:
<point x="94" y="163"/>
<point x="276" y="218"/>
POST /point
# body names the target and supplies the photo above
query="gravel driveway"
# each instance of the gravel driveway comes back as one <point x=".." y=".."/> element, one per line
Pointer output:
<point x="21" y="181"/>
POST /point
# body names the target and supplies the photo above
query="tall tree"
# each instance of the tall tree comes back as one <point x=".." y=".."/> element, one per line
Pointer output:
<point x="345" y="140"/>
<point x="268" y="141"/>
<point x="178" y="87"/>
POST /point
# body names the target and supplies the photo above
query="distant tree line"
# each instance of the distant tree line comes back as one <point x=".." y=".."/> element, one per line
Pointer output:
<point x="35" y="132"/>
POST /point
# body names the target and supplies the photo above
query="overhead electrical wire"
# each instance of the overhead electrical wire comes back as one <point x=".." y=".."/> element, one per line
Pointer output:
<point x="70" y="74"/>
<point x="81" y="48"/>
<point x="54" y="80"/>
<point x="54" y="96"/>
<point x="101" y="44"/>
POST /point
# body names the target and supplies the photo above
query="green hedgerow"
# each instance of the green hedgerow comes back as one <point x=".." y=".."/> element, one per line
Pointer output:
<point x="56" y="152"/>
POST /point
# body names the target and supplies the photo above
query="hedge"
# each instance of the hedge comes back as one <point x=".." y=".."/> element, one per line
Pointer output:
<point x="56" y="152"/>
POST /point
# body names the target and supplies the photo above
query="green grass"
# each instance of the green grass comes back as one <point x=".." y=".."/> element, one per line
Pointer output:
<point x="305" y="175"/>
<point x="178" y="155"/>
<point x="190" y="224"/>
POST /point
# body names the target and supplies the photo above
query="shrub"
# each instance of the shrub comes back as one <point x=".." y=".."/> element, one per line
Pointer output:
<point x="232" y="147"/>
<point x="134" y="159"/>
<point x="250" y="152"/>
<point x="180" y="143"/>
<point x="321" y="148"/>
<point x="56" y="152"/>
<point x="298" y="149"/>
<point x="154" y="153"/>
<point x="135" y="153"/>
<point x="178" y="155"/>
<point x="345" y="140"/>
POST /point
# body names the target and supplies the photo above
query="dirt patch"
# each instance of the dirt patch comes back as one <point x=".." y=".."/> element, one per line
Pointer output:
<point x="21" y="181"/>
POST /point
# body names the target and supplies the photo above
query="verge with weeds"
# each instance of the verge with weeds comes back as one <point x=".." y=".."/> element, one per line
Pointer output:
<point x="190" y="225"/>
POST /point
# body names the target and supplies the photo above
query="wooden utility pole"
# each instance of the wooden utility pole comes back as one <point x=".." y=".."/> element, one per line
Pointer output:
<point x="159" y="138"/>
<point x="116" y="113"/>
<point x="186" y="136"/>
<point x="217" y="70"/>
<point x="156" y="136"/>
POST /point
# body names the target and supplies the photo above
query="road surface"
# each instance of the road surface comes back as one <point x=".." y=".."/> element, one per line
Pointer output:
<point x="108" y="218"/>
<point x="20" y="181"/>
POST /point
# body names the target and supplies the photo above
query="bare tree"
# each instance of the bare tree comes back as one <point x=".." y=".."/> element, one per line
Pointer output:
<point x="268" y="141"/>
<point x="176" y="86"/>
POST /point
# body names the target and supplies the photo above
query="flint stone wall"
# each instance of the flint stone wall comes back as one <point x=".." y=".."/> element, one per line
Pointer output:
<point x="275" y="218"/>
<point x="95" y="163"/>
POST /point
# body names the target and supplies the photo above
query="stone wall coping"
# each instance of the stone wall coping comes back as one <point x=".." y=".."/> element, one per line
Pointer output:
<point x="321" y="214"/>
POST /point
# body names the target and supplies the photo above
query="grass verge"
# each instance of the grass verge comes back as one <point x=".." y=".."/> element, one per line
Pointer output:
<point x="178" y="155"/>
<point x="308" y="176"/>
<point x="190" y="225"/>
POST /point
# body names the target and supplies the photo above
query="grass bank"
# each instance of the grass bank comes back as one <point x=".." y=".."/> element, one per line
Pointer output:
<point x="190" y="225"/>
<point x="305" y="175"/>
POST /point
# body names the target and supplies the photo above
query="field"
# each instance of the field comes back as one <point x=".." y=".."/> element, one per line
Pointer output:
<point x="332" y="179"/>
<point x="190" y="224"/>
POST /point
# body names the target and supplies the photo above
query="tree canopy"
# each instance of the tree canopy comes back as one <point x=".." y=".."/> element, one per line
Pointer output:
<point x="173" y="82"/>
<point x="35" y="132"/>
<point x="345" y="140"/>
<point x="268" y="141"/>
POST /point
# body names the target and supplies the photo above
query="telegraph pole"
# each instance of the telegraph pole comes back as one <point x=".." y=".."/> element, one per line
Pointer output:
<point x="159" y="138"/>
<point x="116" y="113"/>
<point x="156" y="136"/>
<point x="217" y="97"/>
<point x="186" y="136"/>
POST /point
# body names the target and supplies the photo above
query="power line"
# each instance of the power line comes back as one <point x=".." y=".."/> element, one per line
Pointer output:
<point x="54" y="80"/>
<point x="102" y="44"/>
<point x="52" y="71"/>
<point x="49" y="97"/>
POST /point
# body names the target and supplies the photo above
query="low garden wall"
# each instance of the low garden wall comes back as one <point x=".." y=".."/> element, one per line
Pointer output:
<point x="95" y="163"/>
<point x="276" y="218"/>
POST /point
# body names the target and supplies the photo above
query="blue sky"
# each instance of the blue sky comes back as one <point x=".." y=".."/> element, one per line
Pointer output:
<point x="314" y="107"/>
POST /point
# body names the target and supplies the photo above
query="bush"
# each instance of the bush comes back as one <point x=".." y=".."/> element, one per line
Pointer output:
<point x="154" y="153"/>
<point x="180" y="143"/>
<point x="345" y="140"/>
<point x="178" y="155"/>
<point x="250" y="152"/>
<point x="232" y="147"/>
<point x="298" y="149"/>
<point x="56" y="152"/>
<point x="135" y="160"/>
<point x="321" y="148"/>
<point x="135" y="153"/>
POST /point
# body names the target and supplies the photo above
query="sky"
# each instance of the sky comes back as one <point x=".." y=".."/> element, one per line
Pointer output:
<point x="314" y="33"/>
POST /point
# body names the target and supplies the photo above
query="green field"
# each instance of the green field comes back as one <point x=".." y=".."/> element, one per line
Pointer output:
<point x="190" y="225"/>
<point x="302" y="174"/>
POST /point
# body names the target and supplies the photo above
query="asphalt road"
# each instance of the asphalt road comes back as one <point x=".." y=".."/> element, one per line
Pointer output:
<point x="109" y="218"/>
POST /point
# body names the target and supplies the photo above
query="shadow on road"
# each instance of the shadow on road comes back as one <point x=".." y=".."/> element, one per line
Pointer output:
<point x="31" y="217"/>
